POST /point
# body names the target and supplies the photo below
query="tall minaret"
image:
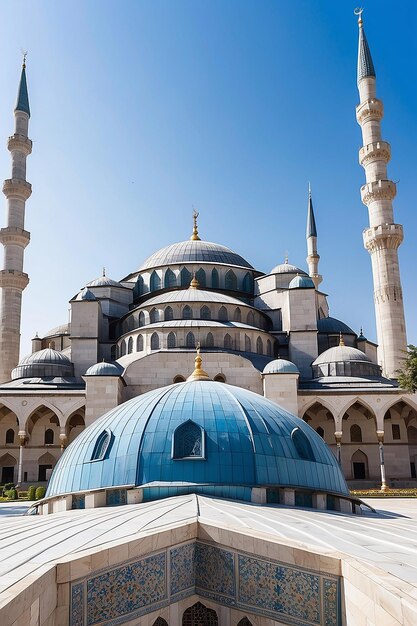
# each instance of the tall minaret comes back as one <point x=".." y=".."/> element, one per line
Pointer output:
<point x="14" y="238"/>
<point x="313" y="257"/>
<point x="383" y="237"/>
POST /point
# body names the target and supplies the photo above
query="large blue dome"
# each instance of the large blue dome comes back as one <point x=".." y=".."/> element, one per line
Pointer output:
<point x="212" y="437"/>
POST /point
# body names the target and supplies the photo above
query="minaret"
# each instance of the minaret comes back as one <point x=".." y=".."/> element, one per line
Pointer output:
<point x="313" y="257"/>
<point x="383" y="236"/>
<point x="14" y="238"/>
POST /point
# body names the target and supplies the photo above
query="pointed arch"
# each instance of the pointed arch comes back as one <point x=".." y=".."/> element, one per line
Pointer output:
<point x="179" y="379"/>
<point x="139" y="287"/>
<point x="75" y="424"/>
<point x="139" y="343"/>
<point x="230" y="281"/>
<point x="359" y="465"/>
<point x="250" y="319"/>
<point x="210" y="340"/>
<point x="170" y="279"/>
<point x="190" y="340"/>
<point x="49" y="437"/>
<point x="356" y="433"/>
<point x="171" y="340"/>
<point x="154" y="341"/>
<point x="123" y="348"/>
<point x="247" y="284"/>
<point x="160" y="622"/>
<point x="155" y="282"/>
<point x="228" y="343"/>
<point x="10" y="434"/>
<point x="245" y="622"/>
<point x="248" y="344"/>
<point x="214" y="278"/>
<point x="259" y="346"/>
<point x="188" y="441"/>
<point x="42" y="417"/>
<point x="199" y="614"/>
<point x="168" y="314"/>
<point x="154" y="316"/>
<point x="185" y="277"/>
<point x="205" y="313"/>
<point x="359" y="402"/>
<point x="130" y="345"/>
<point x="201" y="277"/>
<point x="187" y="313"/>
<point x="141" y="319"/>
<point x="237" y="315"/>
<point x="223" y="316"/>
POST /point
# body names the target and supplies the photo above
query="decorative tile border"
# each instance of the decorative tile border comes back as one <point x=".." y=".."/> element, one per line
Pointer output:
<point x="289" y="594"/>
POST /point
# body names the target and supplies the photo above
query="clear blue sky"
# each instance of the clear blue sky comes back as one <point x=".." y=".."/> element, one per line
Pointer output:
<point x="141" y="109"/>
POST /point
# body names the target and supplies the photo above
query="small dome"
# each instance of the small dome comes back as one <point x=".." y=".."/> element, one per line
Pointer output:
<point x="281" y="366"/>
<point x="331" y="325"/>
<point x="287" y="268"/>
<point x="192" y="295"/>
<point x="340" y="354"/>
<point x="202" y="436"/>
<point x="301" y="282"/>
<point x="104" y="281"/>
<point x="344" y="361"/>
<point x="104" y="369"/>
<point x="42" y="364"/>
<point x="194" y="252"/>
<point x="86" y="294"/>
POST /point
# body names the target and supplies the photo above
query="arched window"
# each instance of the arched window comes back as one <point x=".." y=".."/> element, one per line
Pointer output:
<point x="248" y="344"/>
<point x="139" y="343"/>
<point x="248" y="283"/>
<point x="210" y="340"/>
<point x="154" y="341"/>
<point x="302" y="445"/>
<point x="190" y="340"/>
<point x="139" y="288"/>
<point x="102" y="445"/>
<point x="205" y="313"/>
<point x="171" y="340"/>
<point x="10" y="435"/>
<point x="245" y="622"/>
<point x="269" y="348"/>
<point x="223" y="314"/>
<point x="185" y="277"/>
<point x="179" y="379"/>
<point x="113" y="353"/>
<point x="168" y="314"/>
<point x="220" y="378"/>
<point x="320" y="431"/>
<point x="141" y="319"/>
<point x="49" y="437"/>
<point x="214" y="278"/>
<point x="155" y="281"/>
<point x="259" y="346"/>
<point x="201" y="277"/>
<point x="250" y="319"/>
<point x="187" y="313"/>
<point x="238" y="315"/>
<point x="228" y="344"/>
<point x="160" y="622"/>
<point x="188" y="441"/>
<point x="131" y="323"/>
<point x="360" y="468"/>
<point x="154" y="316"/>
<point x="199" y="614"/>
<point x="230" y="281"/>
<point x="130" y="345"/>
<point x="170" y="279"/>
<point x="123" y="348"/>
<point x="355" y="433"/>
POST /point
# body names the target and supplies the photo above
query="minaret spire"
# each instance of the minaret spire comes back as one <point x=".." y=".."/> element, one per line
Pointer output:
<point x="383" y="237"/>
<point x="313" y="257"/>
<point x="14" y="238"/>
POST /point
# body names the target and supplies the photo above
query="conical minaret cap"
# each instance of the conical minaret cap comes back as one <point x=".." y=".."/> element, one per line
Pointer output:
<point x="365" y="64"/>
<point x="311" y="222"/>
<point x="22" y="102"/>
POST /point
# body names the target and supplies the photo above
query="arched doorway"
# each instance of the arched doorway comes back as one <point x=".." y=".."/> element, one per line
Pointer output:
<point x="7" y="469"/>
<point x="359" y="464"/>
<point x="46" y="464"/>
<point x="359" y="426"/>
<point x="199" y="615"/>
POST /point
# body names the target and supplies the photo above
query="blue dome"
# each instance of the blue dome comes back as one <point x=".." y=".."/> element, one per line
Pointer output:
<point x="332" y="325"/>
<point x="104" y="369"/>
<point x="206" y="436"/>
<point x="43" y="363"/>
<point x="301" y="282"/>
<point x="194" y="252"/>
<point x="281" y="366"/>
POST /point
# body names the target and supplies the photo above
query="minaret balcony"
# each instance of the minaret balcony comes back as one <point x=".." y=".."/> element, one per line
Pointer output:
<point x="14" y="236"/>
<point x="375" y="151"/>
<point x="370" y="110"/>
<point x="378" y="190"/>
<point x="13" y="278"/>
<point x="383" y="237"/>
<point x="20" y="142"/>
<point x="17" y="188"/>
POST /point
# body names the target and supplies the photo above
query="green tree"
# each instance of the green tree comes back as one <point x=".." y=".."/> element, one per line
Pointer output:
<point x="407" y="375"/>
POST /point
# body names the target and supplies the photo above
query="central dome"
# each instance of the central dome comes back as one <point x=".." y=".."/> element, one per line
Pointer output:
<point x="194" y="252"/>
<point x="203" y="436"/>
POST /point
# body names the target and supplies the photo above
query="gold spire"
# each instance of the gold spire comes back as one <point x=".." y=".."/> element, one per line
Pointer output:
<point x="194" y="284"/>
<point x="199" y="373"/>
<point x="359" y="12"/>
<point x="341" y="340"/>
<point x="194" y="236"/>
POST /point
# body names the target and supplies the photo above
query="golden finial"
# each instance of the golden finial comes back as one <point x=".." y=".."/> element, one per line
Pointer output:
<point x="199" y="373"/>
<point x="25" y="53"/>
<point x="194" y="236"/>
<point x="359" y="12"/>
<point x="341" y="340"/>
<point x="194" y="284"/>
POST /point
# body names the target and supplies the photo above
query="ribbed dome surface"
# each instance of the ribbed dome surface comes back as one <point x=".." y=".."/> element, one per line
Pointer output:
<point x="245" y="441"/>
<point x="104" y="281"/>
<point x="281" y="366"/>
<point x="63" y="329"/>
<point x="301" y="282"/>
<point x="44" y="363"/>
<point x="86" y="295"/>
<point x="333" y="325"/>
<point x="194" y="252"/>
<point x="340" y="354"/>
<point x="104" y="369"/>
<point x="287" y="268"/>
<point x="192" y="295"/>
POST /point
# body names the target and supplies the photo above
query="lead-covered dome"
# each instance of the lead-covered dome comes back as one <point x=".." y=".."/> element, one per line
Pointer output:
<point x="194" y="251"/>
<point x="202" y="436"/>
<point x="43" y="364"/>
<point x="344" y="361"/>
<point x="281" y="366"/>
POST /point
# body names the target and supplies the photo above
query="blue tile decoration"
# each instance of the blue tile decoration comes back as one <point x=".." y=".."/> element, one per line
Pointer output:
<point x="77" y="605"/>
<point x="258" y="586"/>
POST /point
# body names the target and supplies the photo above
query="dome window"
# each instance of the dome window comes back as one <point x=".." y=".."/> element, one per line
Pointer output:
<point x="188" y="442"/>
<point x="302" y="445"/>
<point x="102" y="446"/>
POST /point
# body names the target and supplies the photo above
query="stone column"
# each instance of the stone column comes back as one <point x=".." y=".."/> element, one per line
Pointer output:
<point x="380" y="435"/>
<point x="338" y="438"/>
<point x="22" y="440"/>
<point x="63" y="439"/>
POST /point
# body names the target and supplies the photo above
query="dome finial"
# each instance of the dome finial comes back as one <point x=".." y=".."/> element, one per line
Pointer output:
<point x="358" y="11"/>
<point x="341" y="340"/>
<point x="199" y="373"/>
<point x="25" y="53"/>
<point x="194" y="284"/>
<point x="194" y="236"/>
<point x="104" y="270"/>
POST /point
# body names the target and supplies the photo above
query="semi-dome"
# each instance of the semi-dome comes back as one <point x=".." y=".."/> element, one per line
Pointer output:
<point x="332" y="325"/>
<point x="44" y="363"/>
<point x="287" y="268"/>
<point x="344" y="361"/>
<point x="104" y="369"/>
<point x="281" y="366"/>
<point x="200" y="436"/>
<point x="301" y="282"/>
<point x="194" y="252"/>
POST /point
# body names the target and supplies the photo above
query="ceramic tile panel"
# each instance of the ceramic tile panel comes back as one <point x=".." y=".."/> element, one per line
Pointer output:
<point x="182" y="567"/>
<point x="77" y="605"/>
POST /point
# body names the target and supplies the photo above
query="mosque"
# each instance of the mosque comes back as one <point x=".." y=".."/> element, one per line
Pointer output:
<point x="185" y="488"/>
